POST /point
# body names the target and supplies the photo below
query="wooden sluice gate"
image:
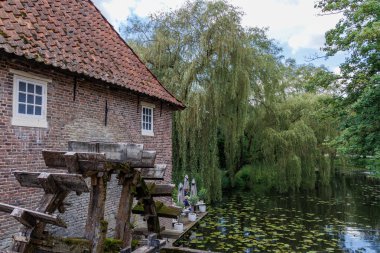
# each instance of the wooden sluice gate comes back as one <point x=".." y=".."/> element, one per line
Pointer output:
<point x="97" y="161"/>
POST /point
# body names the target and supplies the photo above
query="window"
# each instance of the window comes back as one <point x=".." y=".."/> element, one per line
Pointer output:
<point x="29" y="100"/>
<point x="147" y="119"/>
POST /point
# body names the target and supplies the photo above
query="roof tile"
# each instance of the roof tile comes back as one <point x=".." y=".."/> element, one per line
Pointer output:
<point x="73" y="35"/>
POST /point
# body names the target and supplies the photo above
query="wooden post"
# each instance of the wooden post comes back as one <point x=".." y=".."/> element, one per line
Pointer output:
<point x="123" y="229"/>
<point x="96" y="226"/>
<point x="152" y="217"/>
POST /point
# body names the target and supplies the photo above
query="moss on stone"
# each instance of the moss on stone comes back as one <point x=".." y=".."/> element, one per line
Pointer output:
<point x="76" y="241"/>
<point x="103" y="226"/>
<point x="112" y="245"/>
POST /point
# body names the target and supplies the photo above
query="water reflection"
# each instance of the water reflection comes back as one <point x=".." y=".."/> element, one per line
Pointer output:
<point x="341" y="217"/>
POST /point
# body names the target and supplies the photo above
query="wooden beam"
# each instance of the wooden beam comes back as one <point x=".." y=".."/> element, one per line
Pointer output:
<point x="161" y="209"/>
<point x="72" y="163"/>
<point x="96" y="226"/>
<point x="47" y="182"/>
<point x="115" y="152"/>
<point x="84" y="162"/>
<point x="123" y="229"/>
<point x="147" y="160"/>
<point x="43" y="217"/>
<point x="23" y="217"/>
<point x="52" y="182"/>
<point x="160" y="190"/>
<point x="156" y="173"/>
<point x="54" y="159"/>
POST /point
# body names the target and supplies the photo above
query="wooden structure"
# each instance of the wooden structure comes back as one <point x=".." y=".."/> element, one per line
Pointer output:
<point x="96" y="161"/>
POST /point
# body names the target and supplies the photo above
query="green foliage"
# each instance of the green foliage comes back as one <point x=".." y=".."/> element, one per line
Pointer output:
<point x="242" y="178"/>
<point x="193" y="200"/>
<point x="112" y="245"/>
<point x="289" y="137"/>
<point x="202" y="194"/>
<point x="209" y="61"/>
<point x="226" y="180"/>
<point x="175" y="194"/>
<point x="245" y="105"/>
<point x="357" y="103"/>
<point x="373" y="164"/>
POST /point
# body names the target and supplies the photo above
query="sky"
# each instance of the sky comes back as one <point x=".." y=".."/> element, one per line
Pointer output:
<point x="294" y="24"/>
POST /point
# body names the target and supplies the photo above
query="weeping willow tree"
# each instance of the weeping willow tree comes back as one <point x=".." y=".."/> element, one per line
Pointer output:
<point x="288" y="136"/>
<point x="244" y="104"/>
<point x="203" y="55"/>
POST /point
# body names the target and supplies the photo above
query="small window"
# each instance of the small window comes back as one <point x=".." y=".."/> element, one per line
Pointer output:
<point x="29" y="102"/>
<point x="147" y="120"/>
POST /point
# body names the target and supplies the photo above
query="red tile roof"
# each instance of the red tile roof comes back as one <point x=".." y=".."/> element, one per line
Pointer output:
<point x="73" y="35"/>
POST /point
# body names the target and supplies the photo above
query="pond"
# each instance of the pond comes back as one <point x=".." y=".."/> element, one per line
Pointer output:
<point x="341" y="217"/>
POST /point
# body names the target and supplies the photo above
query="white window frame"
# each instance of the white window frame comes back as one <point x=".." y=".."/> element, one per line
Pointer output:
<point x="151" y="107"/>
<point x="20" y="119"/>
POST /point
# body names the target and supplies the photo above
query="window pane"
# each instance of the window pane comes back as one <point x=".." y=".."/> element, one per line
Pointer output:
<point x="29" y="109"/>
<point x="22" y="86"/>
<point x="21" y="97"/>
<point x="30" y="99"/>
<point x="144" y="126"/>
<point x="38" y="100"/>
<point x="21" y="108"/>
<point x="149" y="127"/>
<point x="38" y="90"/>
<point x="30" y="88"/>
<point x="38" y="110"/>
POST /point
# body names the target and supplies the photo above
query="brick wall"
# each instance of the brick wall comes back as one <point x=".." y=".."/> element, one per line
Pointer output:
<point x="82" y="120"/>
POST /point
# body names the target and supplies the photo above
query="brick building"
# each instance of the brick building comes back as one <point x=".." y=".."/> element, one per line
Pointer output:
<point x="65" y="74"/>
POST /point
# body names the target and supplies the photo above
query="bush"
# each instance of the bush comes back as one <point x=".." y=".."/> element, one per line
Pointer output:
<point x="242" y="179"/>
<point x="202" y="194"/>
<point x="226" y="182"/>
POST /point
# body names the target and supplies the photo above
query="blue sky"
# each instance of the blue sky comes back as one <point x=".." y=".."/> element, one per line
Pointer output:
<point x="294" y="24"/>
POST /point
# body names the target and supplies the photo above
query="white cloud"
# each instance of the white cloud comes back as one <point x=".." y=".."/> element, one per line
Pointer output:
<point x="294" y="22"/>
<point x="337" y="70"/>
<point x="117" y="11"/>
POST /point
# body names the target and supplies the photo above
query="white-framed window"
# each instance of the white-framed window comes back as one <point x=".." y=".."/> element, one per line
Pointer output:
<point x="29" y="100"/>
<point x="147" y="119"/>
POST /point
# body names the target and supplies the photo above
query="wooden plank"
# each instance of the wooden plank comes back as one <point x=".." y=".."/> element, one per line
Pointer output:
<point x="23" y="217"/>
<point x="96" y="226"/>
<point x="63" y="181"/>
<point x="20" y="238"/>
<point x="57" y="159"/>
<point x="54" y="159"/>
<point x="123" y="229"/>
<point x="117" y="152"/>
<point x="28" y="179"/>
<point x="47" y="183"/>
<point x="145" y="249"/>
<point x="43" y="217"/>
<point x="147" y="160"/>
<point x="160" y="190"/>
<point x="70" y="182"/>
<point x="187" y="225"/>
<point x="72" y="163"/>
<point x="144" y="231"/>
<point x="110" y="152"/>
<point x="161" y="209"/>
<point x="156" y="173"/>
<point x="182" y="250"/>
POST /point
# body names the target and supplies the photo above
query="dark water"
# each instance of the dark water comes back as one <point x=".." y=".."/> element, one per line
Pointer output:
<point x="342" y="217"/>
